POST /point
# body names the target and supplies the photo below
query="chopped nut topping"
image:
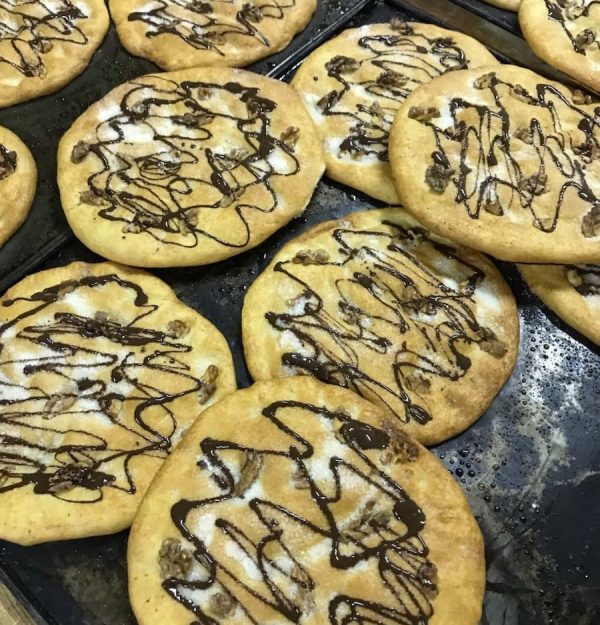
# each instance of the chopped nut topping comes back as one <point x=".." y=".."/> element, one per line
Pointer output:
<point x="66" y="289"/>
<point x="586" y="37"/>
<point x="491" y="344"/>
<point x="311" y="257"/>
<point x="132" y="227"/>
<point x="238" y="154"/>
<point x="178" y="328"/>
<point x="438" y="177"/>
<point x="290" y="136"/>
<point x="228" y="200"/>
<point x="493" y="207"/>
<point x="390" y="78"/>
<point x="174" y="559"/>
<point x="590" y="225"/>
<point x="485" y="81"/>
<point x="197" y="120"/>
<point x="201" y="7"/>
<point x="100" y="316"/>
<point x="252" y="12"/>
<point x="222" y="605"/>
<point x="574" y="277"/>
<point x="80" y="150"/>
<point x="546" y="224"/>
<point x="574" y="9"/>
<point x="401" y="26"/>
<point x="202" y="93"/>
<point x="588" y="151"/>
<point x="524" y="135"/>
<point x="534" y="184"/>
<point x="417" y="383"/>
<point x="304" y="587"/>
<point x="329" y="100"/>
<point x="341" y="65"/>
<point x="423" y="113"/>
<point x="42" y="45"/>
<point x="59" y="403"/>
<point x="299" y="479"/>
<point x="249" y="473"/>
<point x="520" y="93"/>
<point x="427" y="571"/>
<point x="209" y="386"/>
<point x="401" y="448"/>
<point x="376" y="110"/>
<point x="580" y="97"/>
<point x="92" y="198"/>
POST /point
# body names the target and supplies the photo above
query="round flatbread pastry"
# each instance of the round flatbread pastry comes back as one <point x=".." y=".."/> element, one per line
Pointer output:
<point x="45" y="44"/>
<point x="565" y="34"/>
<point x="18" y="180"/>
<point x="354" y="84"/>
<point x="377" y="304"/>
<point x="176" y="34"/>
<point x="188" y="168"/>
<point x="571" y="291"/>
<point x="504" y="161"/>
<point x="508" y="5"/>
<point x="299" y="502"/>
<point x="102" y="370"/>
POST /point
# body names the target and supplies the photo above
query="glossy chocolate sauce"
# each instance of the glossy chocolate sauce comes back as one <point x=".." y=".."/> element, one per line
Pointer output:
<point x="164" y="170"/>
<point x="409" y="321"/>
<point x="396" y="65"/>
<point x="207" y="25"/>
<point x="71" y="381"/>
<point x="560" y="11"/>
<point x="29" y="30"/>
<point x="8" y="162"/>
<point x="484" y="151"/>
<point x="388" y="534"/>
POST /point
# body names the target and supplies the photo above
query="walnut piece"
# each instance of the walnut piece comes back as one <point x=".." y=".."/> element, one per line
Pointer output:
<point x="80" y="150"/>
<point x="341" y="65"/>
<point x="401" y="448"/>
<point x="491" y="344"/>
<point x="290" y="136"/>
<point x="249" y="473"/>
<point x="92" y="198"/>
<point x="299" y="479"/>
<point x="586" y="38"/>
<point x="222" y="605"/>
<point x="174" y="559"/>
<point x="311" y="257"/>
<point x="493" y="207"/>
<point x="400" y="26"/>
<point x="520" y="93"/>
<point x="178" y="328"/>
<point x="580" y="97"/>
<point x="390" y="78"/>
<point x="252" y="12"/>
<point x="438" y="177"/>
<point x="524" y="135"/>
<point x="67" y="478"/>
<point x="376" y="110"/>
<point x="534" y="184"/>
<point x="208" y="383"/>
<point x="329" y="100"/>
<point x="59" y="403"/>
<point x="485" y="81"/>
<point x="590" y="225"/>
<point x="417" y="383"/>
<point x="423" y="113"/>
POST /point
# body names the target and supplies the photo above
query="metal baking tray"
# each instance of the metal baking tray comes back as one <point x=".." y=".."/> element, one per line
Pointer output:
<point x="530" y="466"/>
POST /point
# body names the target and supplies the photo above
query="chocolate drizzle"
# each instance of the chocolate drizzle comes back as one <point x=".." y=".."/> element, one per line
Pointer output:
<point x="8" y="162"/>
<point x="29" y="30"/>
<point x="566" y="13"/>
<point x="383" y="317"/>
<point x="390" y="67"/>
<point x="110" y="375"/>
<point x="478" y="149"/>
<point x="381" y="528"/>
<point x="207" y="26"/>
<point x="165" y="173"/>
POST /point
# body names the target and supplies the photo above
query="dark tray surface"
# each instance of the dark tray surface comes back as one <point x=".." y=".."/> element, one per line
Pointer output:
<point x="530" y="467"/>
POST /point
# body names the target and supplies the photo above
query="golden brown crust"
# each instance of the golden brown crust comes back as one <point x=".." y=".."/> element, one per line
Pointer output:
<point x="223" y="521"/>
<point x="325" y="320"/>
<point x="28" y="72"/>
<point x="208" y="173"/>
<point x="239" y="39"/>
<point x="552" y="285"/>
<point x="497" y="191"/>
<point x="367" y="169"/>
<point x="17" y="186"/>
<point x="555" y="44"/>
<point x="102" y="370"/>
